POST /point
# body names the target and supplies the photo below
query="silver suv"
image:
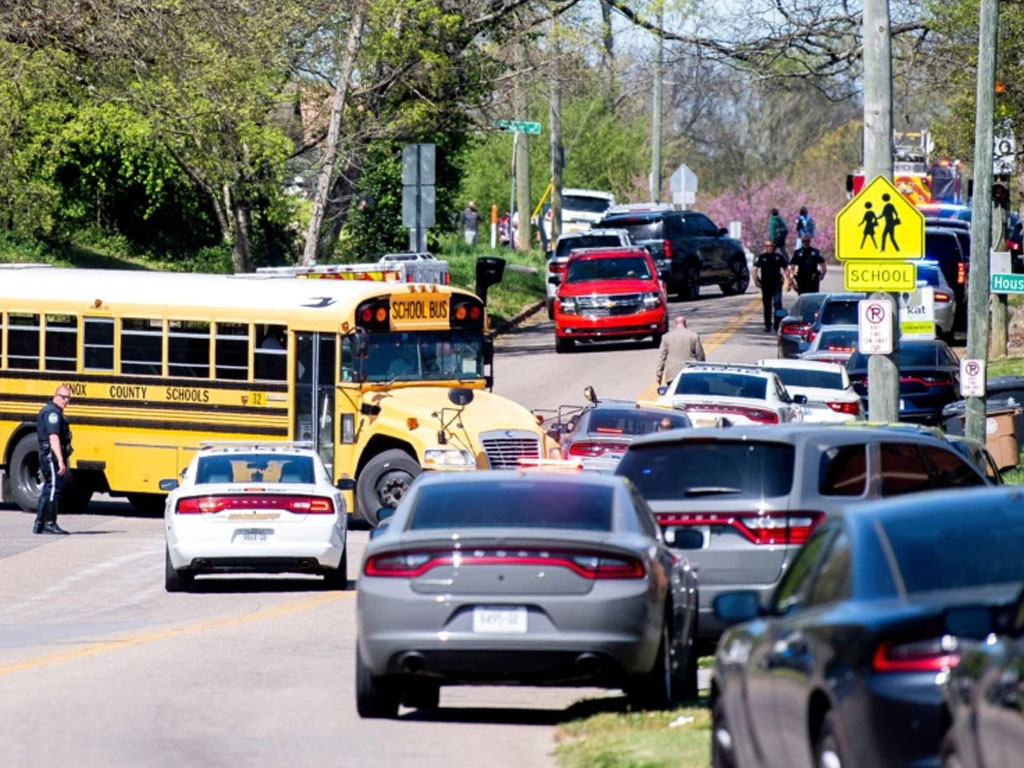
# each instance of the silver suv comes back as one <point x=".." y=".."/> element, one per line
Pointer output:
<point x="741" y="501"/>
<point x="573" y="241"/>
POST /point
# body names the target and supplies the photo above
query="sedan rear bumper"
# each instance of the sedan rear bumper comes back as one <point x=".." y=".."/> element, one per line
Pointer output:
<point x="210" y="547"/>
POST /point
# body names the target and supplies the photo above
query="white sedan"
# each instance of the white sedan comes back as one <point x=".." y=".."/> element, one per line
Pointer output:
<point x="830" y="396"/>
<point x="255" y="508"/>
<point x="714" y="394"/>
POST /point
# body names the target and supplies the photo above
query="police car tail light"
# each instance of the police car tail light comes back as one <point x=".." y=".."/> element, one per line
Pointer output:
<point x="596" y="449"/>
<point x="932" y="655"/>
<point x="795" y="329"/>
<point x="846" y="407"/>
<point x="770" y="527"/>
<point x="584" y="563"/>
<point x="297" y="504"/>
<point x="942" y="297"/>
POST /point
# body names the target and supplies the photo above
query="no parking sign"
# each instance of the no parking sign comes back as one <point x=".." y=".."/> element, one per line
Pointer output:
<point x="972" y="378"/>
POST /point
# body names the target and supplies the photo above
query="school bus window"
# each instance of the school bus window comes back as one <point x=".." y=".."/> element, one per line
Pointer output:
<point x="270" y="357"/>
<point x="188" y="349"/>
<point x="98" y="344"/>
<point x="348" y="365"/>
<point x="23" y="341"/>
<point x="141" y="346"/>
<point x="2" y="336"/>
<point x="61" y="343"/>
<point x="232" y="351"/>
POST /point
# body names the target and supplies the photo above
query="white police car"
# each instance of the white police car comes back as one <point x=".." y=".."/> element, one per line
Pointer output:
<point x="242" y="508"/>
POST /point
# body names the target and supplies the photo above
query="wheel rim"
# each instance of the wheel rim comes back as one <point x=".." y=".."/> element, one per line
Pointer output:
<point x="392" y="487"/>
<point x="28" y="474"/>
<point x="739" y="278"/>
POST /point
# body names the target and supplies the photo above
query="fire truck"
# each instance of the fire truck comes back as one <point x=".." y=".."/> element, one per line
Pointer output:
<point x="920" y="179"/>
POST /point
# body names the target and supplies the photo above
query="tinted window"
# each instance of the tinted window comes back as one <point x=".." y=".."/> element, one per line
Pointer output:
<point x="61" y="343"/>
<point x="586" y="241"/>
<point x="948" y="469"/>
<point x="839" y="313"/>
<point x="722" y="384"/>
<point x="903" y="469"/>
<point x="698" y="224"/>
<point x="23" y="341"/>
<point x="943" y="248"/>
<point x="142" y="346"/>
<point x="792" y="590"/>
<point x="918" y="354"/>
<point x="927" y="275"/>
<point x="98" y="344"/>
<point x="838" y="341"/>
<point x="255" y="468"/>
<point x="271" y="353"/>
<point x="833" y="581"/>
<point x="721" y="468"/>
<point x="188" y="348"/>
<point x="514" y="504"/>
<point x="639" y="229"/>
<point x="844" y="471"/>
<point x="585" y="203"/>
<point x="806" y="308"/>
<point x="954" y="549"/>
<point x="612" y="268"/>
<point x="633" y="422"/>
<point x="800" y="377"/>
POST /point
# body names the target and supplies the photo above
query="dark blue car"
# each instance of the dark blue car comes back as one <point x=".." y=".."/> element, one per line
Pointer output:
<point x="929" y="379"/>
<point x="846" y="665"/>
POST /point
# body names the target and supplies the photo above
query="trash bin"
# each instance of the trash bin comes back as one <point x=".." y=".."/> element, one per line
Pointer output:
<point x="1000" y="429"/>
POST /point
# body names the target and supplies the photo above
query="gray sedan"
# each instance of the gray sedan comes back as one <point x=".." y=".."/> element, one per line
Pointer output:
<point x="497" y="577"/>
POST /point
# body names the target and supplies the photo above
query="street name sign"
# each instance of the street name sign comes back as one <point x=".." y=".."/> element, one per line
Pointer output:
<point x="972" y="378"/>
<point x="874" y="326"/>
<point x="517" y="126"/>
<point x="879" y="223"/>
<point x="879" y="275"/>
<point x="1007" y="283"/>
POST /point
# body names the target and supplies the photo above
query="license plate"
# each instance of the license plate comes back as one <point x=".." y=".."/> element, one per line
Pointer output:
<point x="253" y="535"/>
<point x="688" y="536"/>
<point x="499" y="621"/>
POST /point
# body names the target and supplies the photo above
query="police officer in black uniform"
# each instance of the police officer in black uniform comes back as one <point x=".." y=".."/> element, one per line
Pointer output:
<point x="54" y="437"/>
<point x="808" y="266"/>
<point x="770" y="269"/>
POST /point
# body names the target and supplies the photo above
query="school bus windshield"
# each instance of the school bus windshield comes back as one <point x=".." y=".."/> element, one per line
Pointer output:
<point x="421" y="356"/>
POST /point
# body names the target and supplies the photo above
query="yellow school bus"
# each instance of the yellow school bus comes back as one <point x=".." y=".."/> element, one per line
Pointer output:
<point x="385" y="379"/>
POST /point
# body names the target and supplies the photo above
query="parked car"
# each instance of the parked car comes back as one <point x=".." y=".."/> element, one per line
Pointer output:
<point x="826" y="386"/>
<point x="740" y="394"/>
<point x="844" y="666"/>
<point x="581" y="208"/>
<point x="499" y="577"/>
<point x="255" y="508"/>
<point x="610" y="294"/>
<point x="929" y="378"/>
<point x="943" y="246"/>
<point x="567" y="243"/>
<point x="740" y="502"/>
<point x="945" y="306"/>
<point x="833" y="344"/>
<point x="836" y="309"/>
<point x="796" y="326"/>
<point x="699" y="252"/>
<point x="598" y="434"/>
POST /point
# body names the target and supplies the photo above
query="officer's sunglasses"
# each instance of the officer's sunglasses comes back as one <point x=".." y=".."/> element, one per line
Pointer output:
<point x="65" y="398"/>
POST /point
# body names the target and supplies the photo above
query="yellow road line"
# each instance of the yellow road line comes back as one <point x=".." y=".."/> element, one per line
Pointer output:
<point x="143" y="638"/>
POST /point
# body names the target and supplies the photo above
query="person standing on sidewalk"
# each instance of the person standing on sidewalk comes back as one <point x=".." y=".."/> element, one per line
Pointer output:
<point x="677" y="347"/>
<point x="471" y="223"/>
<point x="769" y="272"/>
<point x="54" y="438"/>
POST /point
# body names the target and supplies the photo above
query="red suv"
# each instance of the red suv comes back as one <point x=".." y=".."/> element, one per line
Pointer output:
<point x="609" y="294"/>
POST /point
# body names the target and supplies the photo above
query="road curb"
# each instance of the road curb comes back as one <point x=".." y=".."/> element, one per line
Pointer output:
<point x="516" y="319"/>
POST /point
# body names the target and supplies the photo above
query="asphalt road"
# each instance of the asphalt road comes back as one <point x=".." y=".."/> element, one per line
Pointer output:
<point x="99" y="666"/>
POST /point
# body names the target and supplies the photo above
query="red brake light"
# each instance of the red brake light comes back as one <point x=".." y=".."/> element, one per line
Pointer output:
<point x="666" y="246"/>
<point x="811" y="335"/>
<point x="211" y="505"/>
<point x="772" y="527"/>
<point x="795" y="329"/>
<point x="844" y="407"/>
<point x="933" y="655"/>
<point x="961" y="273"/>
<point x="595" y="449"/>
<point x="757" y="415"/>
<point x="366" y="315"/>
<point x="941" y="296"/>
<point x="589" y="565"/>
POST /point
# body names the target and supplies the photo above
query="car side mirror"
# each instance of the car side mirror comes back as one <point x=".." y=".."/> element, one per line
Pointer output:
<point x="346" y="484"/>
<point x="168" y="484"/>
<point x="736" y="607"/>
<point x="662" y="390"/>
<point x="590" y="394"/>
<point x="800" y="399"/>
<point x="381" y="527"/>
<point x="971" y="621"/>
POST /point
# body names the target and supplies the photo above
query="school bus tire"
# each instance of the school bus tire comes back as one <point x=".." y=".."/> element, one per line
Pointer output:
<point x="383" y="481"/>
<point x="23" y="470"/>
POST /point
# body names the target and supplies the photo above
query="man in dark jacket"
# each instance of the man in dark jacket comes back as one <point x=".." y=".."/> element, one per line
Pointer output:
<point x="778" y="231"/>
<point x="808" y="267"/>
<point x="54" y="439"/>
<point x="769" y="272"/>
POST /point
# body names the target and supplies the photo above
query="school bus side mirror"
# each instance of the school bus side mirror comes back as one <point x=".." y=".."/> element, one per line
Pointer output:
<point x="488" y="350"/>
<point x="359" y="342"/>
<point x="346" y="484"/>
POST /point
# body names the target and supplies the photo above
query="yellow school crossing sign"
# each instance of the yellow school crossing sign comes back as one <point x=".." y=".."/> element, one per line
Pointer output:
<point x="879" y="223"/>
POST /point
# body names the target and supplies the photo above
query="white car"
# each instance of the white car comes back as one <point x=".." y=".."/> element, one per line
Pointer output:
<point x="255" y="508"/>
<point x="728" y="393"/>
<point x="580" y="209"/>
<point x="830" y="396"/>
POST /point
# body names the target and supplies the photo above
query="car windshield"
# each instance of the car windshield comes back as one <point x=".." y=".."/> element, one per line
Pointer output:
<point x="585" y="241"/>
<point x="634" y="421"/>
<point x="722" y="385"/>
<point x="958" y="550"/>
<point x="520" y="503"/>
<point x="255" y="468"/>
<point x="611" y="268"/>
<point x="803" y="377"/>
<point x="585" y="203"/>
<point x="838" y="341"/>
<point x="842" y="312"/>
<point x="419" y="356"/>
<point x="911" y="354"/>
<point x="731" y="469"/>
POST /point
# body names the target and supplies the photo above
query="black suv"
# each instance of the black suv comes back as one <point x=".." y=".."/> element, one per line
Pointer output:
<point x="700" y="253"/>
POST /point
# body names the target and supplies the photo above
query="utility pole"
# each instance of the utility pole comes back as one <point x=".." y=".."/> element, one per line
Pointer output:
<point x="981" y="207"/>
<point x="883" y="370"/>
<point x="656" y="111"/>
<point x="522" y="163"/>
<point x="557" y="153"/>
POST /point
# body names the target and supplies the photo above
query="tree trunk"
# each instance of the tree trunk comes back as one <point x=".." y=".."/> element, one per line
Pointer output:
<point x="323" y="183"/>
<point x="241" y="246"/>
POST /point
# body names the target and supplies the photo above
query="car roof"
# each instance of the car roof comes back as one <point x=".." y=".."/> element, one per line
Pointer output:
<point x="491" y="476"/>
<point x="603" y="232"/>
<point x="576" y="192"/>
<point x="226" y="448"/>
<point x="928" y="504"/>
<point x="597" y="253"/>
<point x="845" y="296"/>
<point x="710" y="367"/>
<point x="848" y="433"/>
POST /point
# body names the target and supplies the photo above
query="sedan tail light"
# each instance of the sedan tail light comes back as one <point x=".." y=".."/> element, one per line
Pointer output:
<point x="595" y="449"/>
<point x="939" y="380"/>
<point x="931" y="655"/>
<point x="589" y="565"/>
<point x="811" y="334"/>
<point x="795" y="329"/>
<point x="211" y="505"/>
<point x="757" y="415"/>
<point x="942" y="296"/>
<point x="846" y="407"/>
<point x="772" y="527"/>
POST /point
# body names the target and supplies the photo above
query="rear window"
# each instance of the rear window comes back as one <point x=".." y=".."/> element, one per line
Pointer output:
<point x="514" y="504"/>
<point x="953" y="549"/>
<point x="797" y="377"/>
<point x="839" y="313"/>
<point x="612" y="268"/>
<point x="255" y="468"/>
<point x="639" y="229"/>
<point x="634" y="422"/>
<point x="586" y="241"/>
<point x="928" y="275"/>
<point x="807" y="308"/>
<point x="710" y="469"/>
<point x="917" y="354"/>
<point x="838" y="341"/>
<point x="585" y="203"/>
<point x="722" y="384"/>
